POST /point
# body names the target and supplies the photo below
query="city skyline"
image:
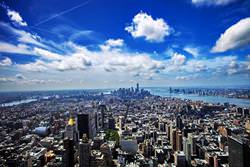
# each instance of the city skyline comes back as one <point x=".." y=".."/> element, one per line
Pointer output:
<point x="96" y="44"/>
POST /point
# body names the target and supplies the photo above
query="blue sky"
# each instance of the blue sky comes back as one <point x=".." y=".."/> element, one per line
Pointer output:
<point x="107" y="44"/>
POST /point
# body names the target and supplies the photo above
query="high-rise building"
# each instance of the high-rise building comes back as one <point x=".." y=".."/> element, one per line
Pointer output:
<point x="173" y="139"/>
<point x="179" y="159"/>
<point x="192" y="141"/>
<point x="245" y="112"/>
<point x="99" y="121"/>
<point x="111" y="123"/>
<point x="179" y="123"/>
<point x="84" y="152"/>
<point x="239" y="152"/>
<point x="137" y="87"/>
<point x="121" y="122"/>
<point x="68" y="157"/>
<point x="86" y="124"/>
<point x="102" y="109"/>
<point x="179" y="146"/>
<point x="70" y="130"/>
<point x="187" y="150"/>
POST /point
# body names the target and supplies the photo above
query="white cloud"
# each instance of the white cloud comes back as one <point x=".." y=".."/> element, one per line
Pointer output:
<point x="11" y="48"/>
<point x="6" y="62"/>
<point x="153" y="30"/>
<point x="22" y="36"/>
<point x="223" y="65"/>
<point x="212" y="2"/>
<point x="192" y="50"/>
<point x="28" y="50"/>
<point x="6" y="79"/>
<point x="115" y="42"/>
<point x="183" y="78"/>
<point x="109" y="60"/>
<point x="26" y="37"/>
<point x="20" y="79"/>
<point x="195" y="66"/>
<point x="236" y="36"/>
<point x="74" y="62"/>
<point x="15" y="17"/>
<point x="47" y="54"/>
<point x="115" y="61"/>
<point x="112" y="44"/>
<point x="178" y="59"/>
<point x="38" y="66"/>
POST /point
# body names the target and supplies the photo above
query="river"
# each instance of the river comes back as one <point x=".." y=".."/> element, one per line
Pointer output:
<point x="164" y="92"/>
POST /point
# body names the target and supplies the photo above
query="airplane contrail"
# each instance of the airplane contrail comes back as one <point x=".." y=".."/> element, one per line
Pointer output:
<point x="61" y="13"/>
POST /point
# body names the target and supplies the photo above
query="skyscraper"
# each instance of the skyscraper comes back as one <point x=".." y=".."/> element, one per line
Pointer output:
<point x="137" y="87"/>
<point x="179" y="159"/>
<point x="70" y="130"/>
<point x="86" y="124"/>
<point x="68" y="157"/>
<point x="179" y="123"/>
<point x="179" y="142"/>
<point x="239" y="152"/>
<point x="84" y="152"/>
<point x="111" y="123"/>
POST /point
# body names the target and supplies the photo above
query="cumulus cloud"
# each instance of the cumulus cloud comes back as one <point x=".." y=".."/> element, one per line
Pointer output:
<point x="114" y="60"/>
<point x="212" y="2"/>
<point x="153" y="30"/>
<point x="236" y="36"/>
<point x="112" y="44"/>
<point x="223" y="65"/>
<point x="195" y="66"/>
<point x="38" y="66"/>
<point x="16" y="17"/>
<point x="178" y="59"/>
<point x="192" y="50"/>
<point x="238" y="68"/>
<point x="6" y="62"/>
<point x="74" y="62"/>
<point x="109" y="60"/>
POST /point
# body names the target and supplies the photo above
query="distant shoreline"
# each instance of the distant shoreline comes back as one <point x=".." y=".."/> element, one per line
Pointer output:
<point x="31" y="96"/>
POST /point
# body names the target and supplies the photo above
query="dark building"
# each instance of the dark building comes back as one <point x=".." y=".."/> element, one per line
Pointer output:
<point x="84" y="152"/>
<point x="137" y="87"/>
<point x="111" y="123"/>
<point x="245" y="112"/>
<point x="86" y="124"/>
<point x="68" y="158"/>
<point x="179" y="123"/>
<point x="239" y="152"/>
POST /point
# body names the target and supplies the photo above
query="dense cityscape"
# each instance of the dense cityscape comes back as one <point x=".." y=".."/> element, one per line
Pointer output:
<point x="125" y="83"/>
<point x="126" y="127"/>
